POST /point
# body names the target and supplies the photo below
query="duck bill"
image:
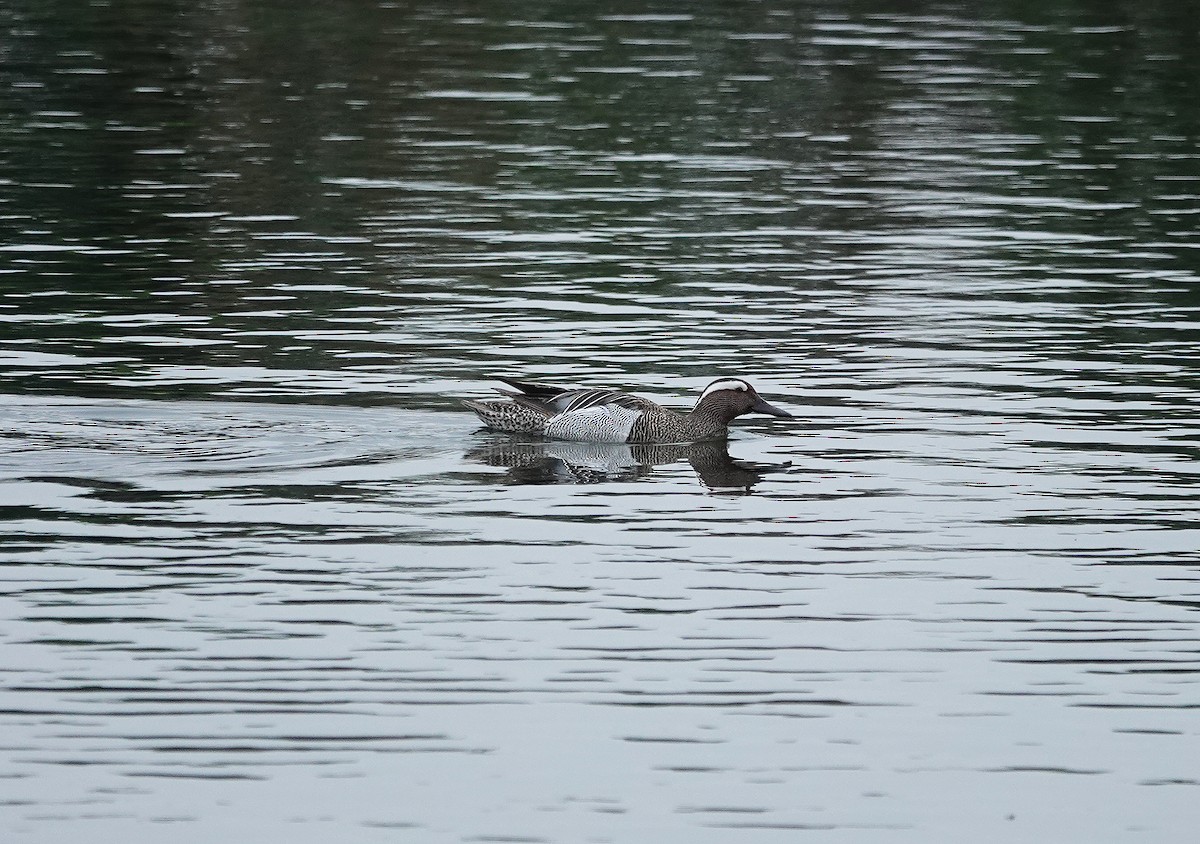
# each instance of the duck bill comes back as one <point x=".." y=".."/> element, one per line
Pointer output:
<point x="761" y="406"/>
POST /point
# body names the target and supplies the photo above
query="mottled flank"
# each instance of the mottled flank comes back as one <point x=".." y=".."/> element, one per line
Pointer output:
<point x="601" y="423"/>
<point x="596" y="415"/>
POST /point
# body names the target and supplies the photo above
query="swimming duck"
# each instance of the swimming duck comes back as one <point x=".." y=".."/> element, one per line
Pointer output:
<point x="609" y="416"/>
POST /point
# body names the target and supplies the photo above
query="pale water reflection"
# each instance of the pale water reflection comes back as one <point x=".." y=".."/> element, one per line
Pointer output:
<point x="263" y="578"/>
<point x="547" y="461"/>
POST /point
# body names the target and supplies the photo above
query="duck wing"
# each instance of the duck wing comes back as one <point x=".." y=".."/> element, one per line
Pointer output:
<point x="529" y="389"/>
<point x="554" y="400"/>
<point x="583" y="399"/>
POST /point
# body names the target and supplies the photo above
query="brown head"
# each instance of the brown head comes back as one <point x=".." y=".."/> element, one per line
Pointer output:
<point x="728" y="398"/>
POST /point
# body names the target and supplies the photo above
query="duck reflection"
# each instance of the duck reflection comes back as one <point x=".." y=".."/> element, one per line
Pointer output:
<point x="564" y="462"/>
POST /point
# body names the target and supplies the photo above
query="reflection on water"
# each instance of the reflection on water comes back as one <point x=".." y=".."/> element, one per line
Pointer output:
<point x="554" y="462"/>
<point x="260" y="576"/>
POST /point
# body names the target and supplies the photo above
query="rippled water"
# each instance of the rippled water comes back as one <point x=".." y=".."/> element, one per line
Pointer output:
<point x="263" y="577"/>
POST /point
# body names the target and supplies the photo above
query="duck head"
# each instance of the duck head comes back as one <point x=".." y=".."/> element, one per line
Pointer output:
<point x="729" y="398"/>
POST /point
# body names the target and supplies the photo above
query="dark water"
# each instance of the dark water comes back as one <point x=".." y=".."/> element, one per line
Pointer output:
<point x="263" y="579"/>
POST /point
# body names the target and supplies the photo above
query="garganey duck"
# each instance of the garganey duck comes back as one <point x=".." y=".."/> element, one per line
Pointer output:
<point x="609" y="416"/>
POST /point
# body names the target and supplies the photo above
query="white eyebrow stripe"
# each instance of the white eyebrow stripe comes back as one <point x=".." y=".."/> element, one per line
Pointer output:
<point x="725" y="384"/>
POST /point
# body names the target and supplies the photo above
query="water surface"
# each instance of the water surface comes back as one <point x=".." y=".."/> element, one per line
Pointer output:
<point x="264" y="578"/>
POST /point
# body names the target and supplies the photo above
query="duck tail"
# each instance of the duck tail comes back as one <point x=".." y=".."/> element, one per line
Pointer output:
<point x="507" y="416"/>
